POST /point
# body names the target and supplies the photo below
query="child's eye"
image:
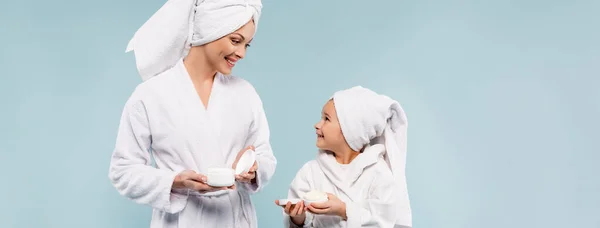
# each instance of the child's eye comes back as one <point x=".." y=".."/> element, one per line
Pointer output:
<point x="327" y="118"/>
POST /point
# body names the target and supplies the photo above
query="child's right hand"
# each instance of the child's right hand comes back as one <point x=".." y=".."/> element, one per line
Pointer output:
<point x="295" y="211"/>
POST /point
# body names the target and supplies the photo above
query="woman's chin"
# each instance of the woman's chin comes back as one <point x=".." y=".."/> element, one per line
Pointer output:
<point x="225" y="69"/>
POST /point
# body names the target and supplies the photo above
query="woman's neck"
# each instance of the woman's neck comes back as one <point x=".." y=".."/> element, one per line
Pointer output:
<point x="198" y="67"/>
<point x="345" y="155"/>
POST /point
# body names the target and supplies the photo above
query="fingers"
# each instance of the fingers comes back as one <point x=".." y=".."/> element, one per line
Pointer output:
<point x="295" y="211"/>
<point x="245" y="177"/>
<point x="240" y="178"/>
<point x="194" y="185"/>
<point x="248" y="176"/>
<point x="191" y="175"/>
<point x="197" y="177"/>
<point x="204" y="188"/>
<point x="317" y="210"/>
<point x="298" y="209"/>
<point x="253" y="168"/>
<point x="324" y="205"/>
<point x="197" y="186"/>
<point x="287" y="208"/>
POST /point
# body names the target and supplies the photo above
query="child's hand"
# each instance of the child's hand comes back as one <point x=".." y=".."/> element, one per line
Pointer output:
<point x="334" y="206"/>
<point x="295" y="211"/>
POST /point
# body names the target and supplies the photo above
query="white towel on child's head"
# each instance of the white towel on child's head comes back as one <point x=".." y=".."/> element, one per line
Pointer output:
<point x="365" y="117"/>
<point x="179" y="24"/>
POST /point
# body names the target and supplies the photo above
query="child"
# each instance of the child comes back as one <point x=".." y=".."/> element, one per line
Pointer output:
<point x="360" y="166"/>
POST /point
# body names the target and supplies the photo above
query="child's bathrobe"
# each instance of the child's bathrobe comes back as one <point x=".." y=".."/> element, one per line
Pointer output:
<point x="373" y="185"/>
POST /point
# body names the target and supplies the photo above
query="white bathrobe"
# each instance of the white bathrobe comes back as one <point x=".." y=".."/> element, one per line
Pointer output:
<point x="366" y="185"/>
<point x="373" y="185"/>
<point x="165" y="115"/>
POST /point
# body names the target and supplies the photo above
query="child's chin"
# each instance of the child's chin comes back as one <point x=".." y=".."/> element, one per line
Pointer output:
<point x="320" y="146"/>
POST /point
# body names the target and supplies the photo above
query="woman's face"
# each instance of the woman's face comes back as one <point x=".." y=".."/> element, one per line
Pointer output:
<point x="223" y="54"/>
<point x="329" y="132"/>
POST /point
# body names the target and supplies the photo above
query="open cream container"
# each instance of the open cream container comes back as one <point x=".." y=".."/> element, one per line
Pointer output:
<point x="220" y="177"/>
<point x="315" y="197"/>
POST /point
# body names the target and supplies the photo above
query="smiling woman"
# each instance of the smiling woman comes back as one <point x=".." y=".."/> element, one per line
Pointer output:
<point x="221" y="55"/>
<point x="195" y="116"/>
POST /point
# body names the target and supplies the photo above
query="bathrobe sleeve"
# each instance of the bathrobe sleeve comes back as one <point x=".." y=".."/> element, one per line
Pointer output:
<point x="259" y="137"/>
<point x="379" y="209"/>
<point x="299" y="186"/>
<point x="130" y="170"/>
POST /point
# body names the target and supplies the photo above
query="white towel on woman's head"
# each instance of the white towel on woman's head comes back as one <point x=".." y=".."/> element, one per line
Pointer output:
<point x="179" y="24"/>
<point x="365" y="117"/>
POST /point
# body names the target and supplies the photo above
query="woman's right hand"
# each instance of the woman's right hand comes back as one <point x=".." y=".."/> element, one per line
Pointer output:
<point x="295" y="211"/>
<point x="194" y="181"/>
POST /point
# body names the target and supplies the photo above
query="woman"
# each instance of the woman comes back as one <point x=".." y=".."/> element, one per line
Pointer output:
<point x="360" y="166"/>
<point x="193" y="115"/>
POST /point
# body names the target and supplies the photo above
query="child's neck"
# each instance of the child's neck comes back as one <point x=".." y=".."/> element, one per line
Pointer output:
<point x="345" y="156"/>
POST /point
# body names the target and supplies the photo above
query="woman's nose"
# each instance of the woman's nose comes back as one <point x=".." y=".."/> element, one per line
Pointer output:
<point x="240" y="52"/>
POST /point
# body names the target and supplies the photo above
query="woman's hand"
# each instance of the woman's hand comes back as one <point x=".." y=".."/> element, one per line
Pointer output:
<point x="333" y="206"/>
<point x="250" y="176"/>
<point x="295" y="211"/>
<point x="194" y="181"/>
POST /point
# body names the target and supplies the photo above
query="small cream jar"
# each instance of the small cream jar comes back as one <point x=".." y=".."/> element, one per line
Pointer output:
<point x="220" y="177"/>
<point x="315" y="197"/>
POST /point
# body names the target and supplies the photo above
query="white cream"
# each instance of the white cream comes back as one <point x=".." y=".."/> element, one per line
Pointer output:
<point x="315" y="197"/>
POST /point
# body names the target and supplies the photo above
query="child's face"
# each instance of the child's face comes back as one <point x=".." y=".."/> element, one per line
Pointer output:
<point x="329" y="133"/>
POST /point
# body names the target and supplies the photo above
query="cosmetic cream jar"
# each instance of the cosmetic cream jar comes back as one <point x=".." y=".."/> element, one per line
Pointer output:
<point x="220" y="177"/>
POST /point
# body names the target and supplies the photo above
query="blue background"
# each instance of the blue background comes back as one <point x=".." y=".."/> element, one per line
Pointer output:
<point x="503" y="100"/>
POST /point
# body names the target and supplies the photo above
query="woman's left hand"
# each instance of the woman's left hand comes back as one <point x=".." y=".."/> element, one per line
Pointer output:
<point x="333" y="206"/>
<point x="250" y="176"/>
